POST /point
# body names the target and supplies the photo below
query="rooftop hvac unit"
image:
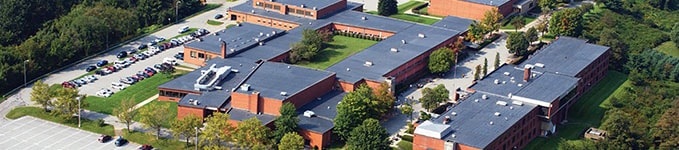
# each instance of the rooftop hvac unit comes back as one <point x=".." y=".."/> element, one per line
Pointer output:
<point x="421" y="35"/>
<point x="496" y="81"/>
<point x="309" y="113"/>
<point x="541" y="65"/>
<point x="368" y="63"/>
<point x="261" y="34"/>
<point x="501" y="103"/>
<point x="509" y="95"/>
<point x="363" y="18"/>
<point x="491" y="123"/>
<point x="517" y="103"/>
<point x="506" y="73"/>
<point x="484" y="96"/>
<point x="314" y="8"/>
<point x="302" y="6"/>
<point x="284" y="93"/>
<point x="256" y="39"/>
<point x="497" y="113"/>
<point x="520" y="85"/>
<point x="393" y="49"/>
<point x="245" y="87"/>
<point x="454" y="113"/>
<point x="261" y="43"/>
<point x="273" y="32"/>
<point x="348" y="69"/>
<point x="403" y="41"/>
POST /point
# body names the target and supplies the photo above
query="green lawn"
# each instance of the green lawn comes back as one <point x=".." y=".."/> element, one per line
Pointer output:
<point x="139" y="91"/>
<point x="340" y="48"/>
<point x="526" y="19"/>
<point x="405" y="145"/>
<point x="415" y="18"/>
<point x="669" y="48"/>
<point x="408" y="6"/>
<point x="87" y="125"/>
<point x="150" y="138"/>
<point x="214" y="22"/>
<point x="171" y="106"/>
<point x="585" y="113"/>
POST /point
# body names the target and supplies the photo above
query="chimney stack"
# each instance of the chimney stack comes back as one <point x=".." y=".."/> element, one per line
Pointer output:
<point x="223" y="49"/>
<point x="446" y="120"/>
<point x="526" y="73"/>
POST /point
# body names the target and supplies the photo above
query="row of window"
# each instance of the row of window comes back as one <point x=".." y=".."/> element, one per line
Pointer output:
<point x="300" y="12"/>
<point x="280" y="24"/>
<point x="194" y="54"/>
<point x="171" y="94"/>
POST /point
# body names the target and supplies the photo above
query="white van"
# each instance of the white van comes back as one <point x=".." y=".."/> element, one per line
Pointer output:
<point x="183" y="29"/>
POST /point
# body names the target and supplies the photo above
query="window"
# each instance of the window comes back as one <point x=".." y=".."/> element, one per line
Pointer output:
<point x="276" y="7"/>
<point x="301" y="12"/>
<point x="290" y="10"/>
<point x="201" y="55"/>
<point x="258" y="4"/>
<point x="268" y="6"/>
<point x="193" y="54"/>
<point x="307" y="13"/>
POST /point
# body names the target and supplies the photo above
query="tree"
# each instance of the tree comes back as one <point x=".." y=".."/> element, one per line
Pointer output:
<point x="312" y="42"/>
<point x="41" y="94"/>
<point x="354" y="107"/>
<point x="251" y="134"/>
<point x="217" y="131"/>
<point x="477" y="73"/>
<point x="567" y="22"/>
<point x="186" y="127"/>
<point x="387" y="7"/>
<point x="66" y="104"/>
<point x="291" y="140"/>
<point x="610" y="38"/>
<point x="666" y="128"/>
<point x="532" y="35"/>
<point x="497" y="60"/>
<point x="674" y="35"/>
<point x="476" y="31"/>
<point x="518" y="22"/>
<point x="432" y="97"/>
<point x="458" y="45"/>
<point x="125" y="113"/>
<point x="542" y="27"/>
<point x="491" y="20"/>
<point x="407" y="109"/>
<point x="546" y="4"/>
<point x="440" y="60"/>
<point x="286" y="122"/>
<point x="517" y="43"/>
<point x="153" y="116"/>
<point x="485" y="66"/>
<point x="168" y="70"/>
<point x="369" y="135"/>
<point x="618" y="125"/>
<point x="384" y="100"/>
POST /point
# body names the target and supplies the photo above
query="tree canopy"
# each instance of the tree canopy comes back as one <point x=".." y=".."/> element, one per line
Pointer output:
<point x="384" y="100"/>
<point x="517" y="44"/>
<point x="532" y="34"/>
<point x="251" y="134"/>
<point x="286" y="122"/>
<point x="125" y="113"/>
<point x="441" y="60"/>
<point x="567" y="22"/>
<point x="66" y="103"/>
<point x="432" y="97"/>
<point x="387" y="7"/>
<point x="41" y="94"/>
<point x="153" y="116"/>
<point x="369" y="135"/>
<point x="186" y="127"/>
<point x="674" y="35"/>
<point x="312" y="42"/>
<point x="355" y="107"/>
<point x="491" y="20"/>
<point x="291" y="140"/>
<point x="217" y="131"/>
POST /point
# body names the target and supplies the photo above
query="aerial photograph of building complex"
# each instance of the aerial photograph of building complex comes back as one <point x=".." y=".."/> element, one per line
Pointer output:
<point x="340" y="74"/>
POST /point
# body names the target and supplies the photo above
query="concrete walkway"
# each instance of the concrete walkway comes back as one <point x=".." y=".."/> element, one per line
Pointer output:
<point x="154" y="97"/>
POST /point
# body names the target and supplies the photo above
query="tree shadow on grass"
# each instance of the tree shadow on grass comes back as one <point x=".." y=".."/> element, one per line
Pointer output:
<point x="336" y="46"/>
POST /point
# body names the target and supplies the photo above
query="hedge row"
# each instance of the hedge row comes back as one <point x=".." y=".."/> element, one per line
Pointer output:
<point x="357" y="35"/>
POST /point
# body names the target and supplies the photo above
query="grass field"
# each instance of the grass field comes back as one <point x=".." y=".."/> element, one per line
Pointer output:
<point x="409" y="17"/>
<point x="585" y="113"/>
<point x="214" y="22"/>
<point x="402" y="8"/>
<point x="139" y="91"/>
<point x="340" y="48"/>
<point x="89" y="125"/>
<point x="171" y="106"/>
<point x="405" y="145"/>
<point x="150" y="138"/>
<point x="669" y="48"/>
<point x="526" y="19"/>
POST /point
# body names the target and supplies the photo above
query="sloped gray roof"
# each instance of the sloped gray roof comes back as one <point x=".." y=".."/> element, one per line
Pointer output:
<point x="325" y="110"/>
<point x="272" y="78"/>
<point x="237" y="38"/>
<point x="241" y="115"/>
<point x="566" y="55"/>
<point x="454" y="23"/>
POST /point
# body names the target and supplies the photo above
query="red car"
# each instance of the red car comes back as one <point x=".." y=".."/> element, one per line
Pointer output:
<point x="67" y="85"/>
<point x="104" y="138"/>
<point x="145" y="147"/>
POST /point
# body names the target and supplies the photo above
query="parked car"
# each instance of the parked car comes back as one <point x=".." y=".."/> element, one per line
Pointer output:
<point x="126" y="81"/>
<point x="104" y="138"/>
<point x="158" y="40"/>
<point x="122" y="54"/>
<point x="117" y="85"/>
<point x="79" y="82"/>
<point x="102" y="63"/>
<point x="152" y="43"/>
<point x="120" y="141"/>
<point x="179" y="56"/>
<point x="145" y="147"/>
<point x="149" y="73"/>
<point x="142" y="46"/>
<point x="90" y="78"/>
<point x="90" y="68"/>
<point x="150" y="69"/>
<point x="67" y="85"/>
<point x="105" y="92"/>
<point x="134" y="80"/>
<point x="106" y="71"/>
<point x="131" y="51"/>
<point x="218" y="16"/>
<point x="75" y="83"/>
<point x="183" y="29"/>
<point x="112" y="68"/>
<point x="170" y="61"/>
<point x="141" y="56"/>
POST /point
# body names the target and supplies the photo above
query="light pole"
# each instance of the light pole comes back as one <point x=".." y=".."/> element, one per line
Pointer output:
<point x="79" y="112"/>
<point x="196" y="141"/>
<point x="176" y="11"/>
<point x="25" y="61"/>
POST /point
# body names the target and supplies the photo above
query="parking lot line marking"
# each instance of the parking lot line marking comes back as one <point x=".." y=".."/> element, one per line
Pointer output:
<point x="43" y="132"/>
<point x="61" y="140"/>
<point x="50" y="137"/>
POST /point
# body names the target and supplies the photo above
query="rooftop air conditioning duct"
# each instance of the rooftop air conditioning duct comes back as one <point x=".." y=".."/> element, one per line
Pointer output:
<point x="541" y="65"/>
<point x="284" y="93"/>
<point x="497" y="113"/>
<point x="245" y="87"/>
<point x="368" y="63"/>
<point x="501" y="103"/>
<point x="309" y="113"/>
<point x="517" y="103"/>
<point x="421" y="35"/>
<point x="393" y="49"/>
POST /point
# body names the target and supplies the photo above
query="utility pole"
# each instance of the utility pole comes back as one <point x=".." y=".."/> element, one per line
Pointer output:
<point x="25" y="61"/>
<point x="196" y="141"/>
<point x="79" y="112"/>
<point x="176" y="11"/>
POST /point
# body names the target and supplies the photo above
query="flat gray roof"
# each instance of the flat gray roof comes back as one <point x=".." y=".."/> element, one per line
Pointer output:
<point x="309" y="4"/>
<point x="325" y="110"/>
<point x="237" y="38"/>
<point x="272" y="78"/>
<point x="240" y="115"/>
<point x="384" y="59"/>
<point x="275" y="47"/>
<point x="489" y="2"/>
<point x="472" y="123"/>
<point x="545" y="87"/>
<point x="566" y="55"/>
<point x="454" y="23"/>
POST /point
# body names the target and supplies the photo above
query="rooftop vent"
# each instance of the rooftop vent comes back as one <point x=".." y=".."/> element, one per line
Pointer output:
<point x="421" y="35"/>
<point x="288" y="67"/>
<point x="517" y="103"/>
<point x="245" y="87"/>
<point x="261" y="43"/>
<point x="302" y="6"/>
<point x="220" y="39"/>
<point x="284" y="93"/>
<point x="235" y="70"/>
<point x="476" y="100"/>
<point x="309" y="113"/>
<point x="484" y="96"/>
<point x="509" y="95"/>
<point x="267" y="35"/>
<point x="256" y="39"/>
<point x="446" y="120"/>
<point x="501" y="103"/>
<point x="314" y="8"/>
<point x="403" y="41"/>
<point x="393" y="49"/>
<point x="368" y="63"/>
<point x="453" y="136"/>
<point x="454" y="113"/>
<point x="238" y="24"/>
<point x="496" y="81"/>
<point x="273" y="32"/>
<point x="348" y="69"/>
<point x="491" y="123"/>
<point x="541" y="65"/>
<point x="520" y="85"/>
<point x="232" y="49"/>
<point x="261" y="34"/>
<point x="253" y="11"/>
<point x="363" y="18"/>
<point x="506" y="73"/>
<point x="497" y="113"/>
<point x="511" y="107"/>
<point x="193" y="102"/>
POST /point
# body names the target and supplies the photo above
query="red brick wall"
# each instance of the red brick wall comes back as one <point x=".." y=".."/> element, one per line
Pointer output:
<point x="415" y="66"/>
<point x="173" y="99"/>
<point x="280" y="58"/>
<point x="316" y="139"/>
<point x="312" y="92"/>
<point x="331" y="9"/>
<point x="185" y="111"/>
<point x="243" y="100"/>
<point x="465" y="147"/>
<point x="196" y="60"/>
<point x="376" y="32"/>
<point x="346" y="86"/>
<point x="519" y="134"/>
<point x="269" y="106"/>
<point x="466" y="9"/>
<point x="421" y="142"/>
<point x="264" y="21"/>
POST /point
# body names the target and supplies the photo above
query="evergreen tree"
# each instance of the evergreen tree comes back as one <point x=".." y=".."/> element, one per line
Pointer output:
<point x="485" y="66"/>
<point x="286" y="122"/>
<point x="497" y="60"/>
<point x="387" y="7"/>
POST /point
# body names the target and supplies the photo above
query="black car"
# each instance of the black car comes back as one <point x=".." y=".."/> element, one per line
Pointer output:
<point x="142" y="46"/>
<point x="179" y="56"/>
<point x="102" y="63"/>
<point x="90" y="68"/>
<point x="132" y="51"/>
<point x="120" y="141"/>
<point x="104" y="138"/>
<point x="122" y="54"/>
<point x="218" y="16"/>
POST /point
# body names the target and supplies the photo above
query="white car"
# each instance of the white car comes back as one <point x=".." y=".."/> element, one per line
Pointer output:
<point x="117" y="85"/>
<point x="105" y="93"/>
<point x="171" y="61"/>
<point x="149" y="53"/>
<point x="90" y="78"/>
<point x="183" y="29"/>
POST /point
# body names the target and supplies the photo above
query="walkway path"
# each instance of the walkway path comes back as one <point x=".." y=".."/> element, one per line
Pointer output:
<point x="154" y="97"/>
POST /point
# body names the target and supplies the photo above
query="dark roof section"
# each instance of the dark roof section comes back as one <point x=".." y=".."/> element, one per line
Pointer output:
<point x="308" y="4"/>
<point x="240" y="115"/>
<point x="489" y="2"/>
<point x="454" y="23"/>
<point x="214" y="98"/>
<point x="325" y="110"/>
<point x="471" y="124"/>
<point x="510" y="81"/>
<point x="237" y="38"/>
<point x="566" y="55"/>
<point x="272" y="78"/>
<point x="384" y="60"/>
<point x="273" y="48"/>
<point x="354" y="18"/>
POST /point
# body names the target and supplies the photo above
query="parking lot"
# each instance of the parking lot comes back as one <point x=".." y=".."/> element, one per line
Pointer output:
<point x="30" y="133"/>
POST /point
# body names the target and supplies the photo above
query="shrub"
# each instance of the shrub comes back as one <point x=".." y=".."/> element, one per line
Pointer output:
<point x="411" y="128"/>
<point x="101" y="122"/>
<point x="408" y="138"/>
